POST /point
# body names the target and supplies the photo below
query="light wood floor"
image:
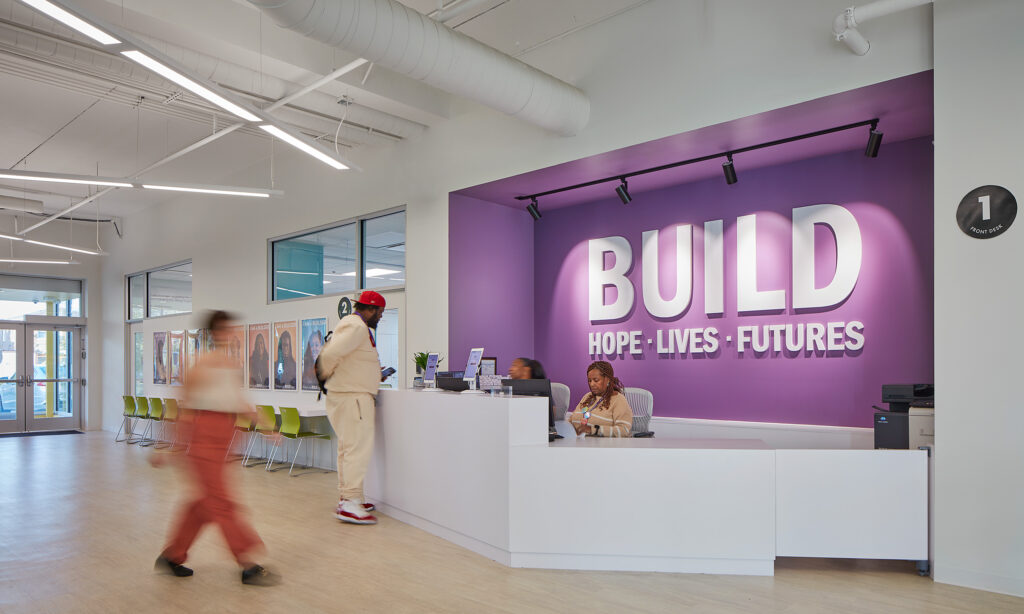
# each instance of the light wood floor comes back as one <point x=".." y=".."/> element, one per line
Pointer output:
<point x="82" y="519"/>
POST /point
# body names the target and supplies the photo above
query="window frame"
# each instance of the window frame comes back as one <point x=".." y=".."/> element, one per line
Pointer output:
<point x="359" y="223"/>
<point x="145" y="310"/>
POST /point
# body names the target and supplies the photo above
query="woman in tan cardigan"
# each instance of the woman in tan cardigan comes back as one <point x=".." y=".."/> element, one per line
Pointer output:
<point x="603" y="412"/>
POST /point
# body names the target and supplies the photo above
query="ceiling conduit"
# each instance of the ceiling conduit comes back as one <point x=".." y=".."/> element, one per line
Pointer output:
<point x="401" y="39"/>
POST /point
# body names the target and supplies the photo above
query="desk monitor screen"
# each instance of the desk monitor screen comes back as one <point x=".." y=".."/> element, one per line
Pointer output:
<point x="431" y="371"/>
<point x="489" y="365"/>
<point x="475" y="356"/>
<point x="534" y="388"/>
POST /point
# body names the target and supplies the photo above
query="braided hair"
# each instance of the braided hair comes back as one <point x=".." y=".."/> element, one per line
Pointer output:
<point x="614" y="384"/>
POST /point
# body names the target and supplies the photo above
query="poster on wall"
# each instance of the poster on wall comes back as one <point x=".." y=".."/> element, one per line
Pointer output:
<point x="313" y="333"/>
<point x="176" y="346"/>
<point x="285" y="370"/>
<point x="159" y="358"/>
<point x="235" y="348"/>
<point x="259" y="356"/>
<point x="193" y="348"/>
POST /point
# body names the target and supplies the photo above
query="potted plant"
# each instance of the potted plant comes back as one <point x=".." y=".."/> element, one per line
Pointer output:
<point x="420" y="358"/>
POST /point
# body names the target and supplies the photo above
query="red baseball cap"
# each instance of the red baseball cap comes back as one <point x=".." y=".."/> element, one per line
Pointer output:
<point x="371" y="298"/>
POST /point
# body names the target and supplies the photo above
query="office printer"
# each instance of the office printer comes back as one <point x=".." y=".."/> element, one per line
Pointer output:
<point x="911" y="410"/>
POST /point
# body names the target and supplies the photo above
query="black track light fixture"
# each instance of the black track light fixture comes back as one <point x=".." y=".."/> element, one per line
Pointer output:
<point x="874" y="142"/>
<point x="533" y="209"/>
<point x="729" y="170"/>
<point x="623" y="192"/>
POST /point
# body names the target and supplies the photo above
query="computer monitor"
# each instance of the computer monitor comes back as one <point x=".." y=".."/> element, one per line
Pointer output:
<point x="489" y="365"/>
<point x="534" y="388"/>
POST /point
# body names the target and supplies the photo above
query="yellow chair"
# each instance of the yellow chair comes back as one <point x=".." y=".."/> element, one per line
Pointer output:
<point x="244" y="425"/>
<point x="170" y="420"/>
<point x="142" y="413"/>
<point x="261" y="432"/>
<point x="156" y="414"/>
<point x="126" y="421"/>
<point x="291" y="424"/>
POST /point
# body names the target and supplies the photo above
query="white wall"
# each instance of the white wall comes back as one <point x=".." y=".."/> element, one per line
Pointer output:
<point x="979" y="482"/>
<point x="79" y="234"/>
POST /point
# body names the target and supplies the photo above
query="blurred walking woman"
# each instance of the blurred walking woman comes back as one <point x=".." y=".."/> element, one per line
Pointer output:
<point x="213" y="395"/>
<point x="604" y="411"/>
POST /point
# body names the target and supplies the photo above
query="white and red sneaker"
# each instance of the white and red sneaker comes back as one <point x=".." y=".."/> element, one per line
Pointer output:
<point x="353" y="512"/>
<point x="366" y="506"/>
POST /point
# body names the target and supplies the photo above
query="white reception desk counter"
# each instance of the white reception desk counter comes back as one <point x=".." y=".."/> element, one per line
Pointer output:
<point x="478" y="471"/>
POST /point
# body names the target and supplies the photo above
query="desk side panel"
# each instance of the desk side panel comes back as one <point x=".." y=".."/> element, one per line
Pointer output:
<point x="859" y="504"/>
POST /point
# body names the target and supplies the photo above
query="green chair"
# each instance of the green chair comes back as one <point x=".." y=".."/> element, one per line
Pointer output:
<point x="126" y="421"/>
<point x="261" y="433"/>
<point x="244" y="425"/>
<point x="142" y="413"/>
<point x="156" y="414"/>
<point x="291" y="429"/>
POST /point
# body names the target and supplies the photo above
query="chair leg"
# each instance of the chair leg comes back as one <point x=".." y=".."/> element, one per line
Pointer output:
<point x="284" y="459"/>
<point x="152" y="435"/>
<point x="117" y="438"/>
<point x="230" y="444"/>
<point x="297" y="448"/>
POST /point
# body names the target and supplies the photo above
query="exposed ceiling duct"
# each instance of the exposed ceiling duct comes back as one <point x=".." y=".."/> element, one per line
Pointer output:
<point x="403" y="40"/>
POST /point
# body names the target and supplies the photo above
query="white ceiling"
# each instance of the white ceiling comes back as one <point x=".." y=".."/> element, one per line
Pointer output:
<point x="41" y="92"/>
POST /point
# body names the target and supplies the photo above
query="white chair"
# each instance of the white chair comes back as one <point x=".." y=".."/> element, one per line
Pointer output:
<point x="642" y="403"/>
<point x="560" y="395"/>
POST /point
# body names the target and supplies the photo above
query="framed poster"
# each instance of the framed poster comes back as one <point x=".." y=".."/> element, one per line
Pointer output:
<point x="193" y="348"/>
<point x="235" y="348"/>
<point x="285" y="369"/>
<point x="313" y="333"/>
<point x="259" y="356"/>
<point x="159" y="358"/>
<point x="207" y="343"/>
<point x="176" y="346"/>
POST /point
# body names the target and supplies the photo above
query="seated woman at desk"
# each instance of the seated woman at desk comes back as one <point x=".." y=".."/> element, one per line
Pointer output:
<point x="604" y="411"/>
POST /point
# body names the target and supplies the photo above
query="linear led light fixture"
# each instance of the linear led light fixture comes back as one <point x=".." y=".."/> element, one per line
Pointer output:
<point x="175" y="76"/>
<point x="32" y="261"/>
<point x="52" y="178"/>
<point x="72" y="21"/>
<point x="297" y="142"/>
<point x="121" y="41"/>
<point x="873" y="143"/>
<point x="119" y="182"/>
<point x="53" y="245"/>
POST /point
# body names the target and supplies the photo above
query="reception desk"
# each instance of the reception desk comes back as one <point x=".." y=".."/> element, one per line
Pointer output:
<point x="478" y="471"/>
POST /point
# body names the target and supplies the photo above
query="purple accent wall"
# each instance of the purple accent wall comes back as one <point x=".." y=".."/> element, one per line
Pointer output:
<point x="891" y="198"/>
<point x="490" y="288"/>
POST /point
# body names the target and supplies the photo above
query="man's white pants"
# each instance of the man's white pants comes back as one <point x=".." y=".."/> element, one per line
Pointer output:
<point x="352" y="417"/>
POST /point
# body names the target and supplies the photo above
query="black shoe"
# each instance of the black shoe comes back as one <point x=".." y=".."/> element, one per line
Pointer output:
<point x="257" y="575"/>
<point x="164" y="565"/>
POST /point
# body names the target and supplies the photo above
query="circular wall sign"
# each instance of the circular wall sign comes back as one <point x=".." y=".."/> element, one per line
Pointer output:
<point x="344" y="307"/>
<point x="986" y="212"/>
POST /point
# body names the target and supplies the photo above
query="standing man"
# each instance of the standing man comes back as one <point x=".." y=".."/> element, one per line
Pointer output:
<point x="351" y="367"/>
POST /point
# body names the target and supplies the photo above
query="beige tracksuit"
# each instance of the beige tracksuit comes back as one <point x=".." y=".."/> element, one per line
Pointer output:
<point x="352" y="365"/>
<point x="614" y="419"/>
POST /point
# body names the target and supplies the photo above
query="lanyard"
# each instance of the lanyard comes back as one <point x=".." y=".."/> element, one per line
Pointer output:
<point x="586" y="412"/>
<point x="373" y="341"/>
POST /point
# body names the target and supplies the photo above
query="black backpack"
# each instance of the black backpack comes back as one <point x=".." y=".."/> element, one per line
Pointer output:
<point x="321" y="379"/>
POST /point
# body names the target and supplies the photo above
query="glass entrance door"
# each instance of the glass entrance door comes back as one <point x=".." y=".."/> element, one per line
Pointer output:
<point x="53" y="382"/>
<point x="40" y="384"/>
<point x="12" y="416"/>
